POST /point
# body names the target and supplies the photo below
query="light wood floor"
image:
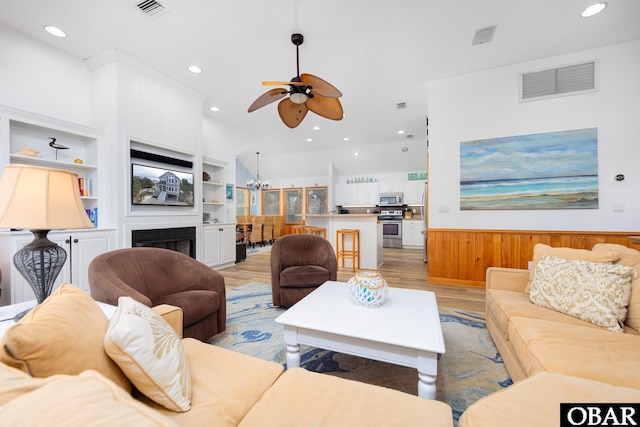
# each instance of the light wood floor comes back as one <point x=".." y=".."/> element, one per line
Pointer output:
<point x="402" y="268"/>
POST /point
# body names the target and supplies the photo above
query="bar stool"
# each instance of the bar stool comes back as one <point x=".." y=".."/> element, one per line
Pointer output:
<point x="353" y="253"/>
<point x="316" y="231"/>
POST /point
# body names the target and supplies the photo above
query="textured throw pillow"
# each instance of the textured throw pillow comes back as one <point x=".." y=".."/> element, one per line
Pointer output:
<point x="63" y="335"/>
<point x="631" y="258"/>
<point x="540" y="249"/>
<point x="597" y="293"/>
<point x="150" y="353"/>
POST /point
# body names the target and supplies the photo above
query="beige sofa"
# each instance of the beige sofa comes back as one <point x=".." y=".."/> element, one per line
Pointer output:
<point x="553" y="357"/>
<point x="56" y="372"/>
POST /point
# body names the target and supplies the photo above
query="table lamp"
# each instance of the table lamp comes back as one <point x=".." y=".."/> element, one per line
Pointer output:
<point x="40" y="199"/>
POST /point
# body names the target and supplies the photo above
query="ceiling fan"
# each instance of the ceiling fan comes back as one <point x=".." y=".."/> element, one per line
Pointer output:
<point x="306" y="92"/>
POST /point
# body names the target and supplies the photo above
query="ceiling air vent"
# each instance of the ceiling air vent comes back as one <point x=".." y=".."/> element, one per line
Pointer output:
<point x="558" y="81"/>
<point x="401" y="105"/>
<point x="483" y="35"/>
<point x="151" y="7"/>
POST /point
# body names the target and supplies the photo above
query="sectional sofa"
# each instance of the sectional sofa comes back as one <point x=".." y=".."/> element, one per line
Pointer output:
<point x="572" y="344"/>
<point x="66" y="363"/>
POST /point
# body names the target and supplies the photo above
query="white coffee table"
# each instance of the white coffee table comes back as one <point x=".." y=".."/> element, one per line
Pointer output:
<point x="405" y="330"/>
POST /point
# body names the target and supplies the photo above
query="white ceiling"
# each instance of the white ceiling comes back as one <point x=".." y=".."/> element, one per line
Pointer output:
<point x="377" y="52"/>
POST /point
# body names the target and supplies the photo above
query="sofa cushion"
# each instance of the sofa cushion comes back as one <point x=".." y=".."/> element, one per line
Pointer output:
<point x="503" y="305"/>
<point x="303" y="398"/>
<point x="593" y="352"/>
<point x="630" y="258"/>
<point x="63" y="335"/>
<point x="150" y="353"/>
<point x="303" y="276"/>
<point x="597" y="293"/>
<point x="541" y="249"/>
<point x="225" y="385"/>
<point x="536" y="401"/>
<point x="85" y="400"/>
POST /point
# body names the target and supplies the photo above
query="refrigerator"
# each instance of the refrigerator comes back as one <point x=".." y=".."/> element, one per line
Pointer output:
<point x="423" y="215"/>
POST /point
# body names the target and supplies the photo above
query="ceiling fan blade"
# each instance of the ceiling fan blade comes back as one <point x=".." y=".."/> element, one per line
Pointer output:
<point x="291" y="113"/>
<point x="267" y="98"/>
<point x="326" y="107"/>
<point x="284" y="83"/>
<point x="321" y="87"/>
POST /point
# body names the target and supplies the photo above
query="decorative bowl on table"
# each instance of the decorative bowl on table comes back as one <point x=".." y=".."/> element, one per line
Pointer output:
<point x="368" y="288"/>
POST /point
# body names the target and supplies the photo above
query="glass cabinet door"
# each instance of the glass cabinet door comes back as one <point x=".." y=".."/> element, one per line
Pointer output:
<point x="292" y="205"/>
<point x="271" y="200"/>
<point x="316" y="200"/>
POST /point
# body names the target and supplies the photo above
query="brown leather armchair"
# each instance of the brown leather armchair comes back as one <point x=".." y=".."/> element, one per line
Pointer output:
<point x="155" y="276"/>
<point x="299" y="264"/>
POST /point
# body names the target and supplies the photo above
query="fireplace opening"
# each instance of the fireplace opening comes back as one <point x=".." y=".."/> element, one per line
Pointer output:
<point x="181" y="239"/>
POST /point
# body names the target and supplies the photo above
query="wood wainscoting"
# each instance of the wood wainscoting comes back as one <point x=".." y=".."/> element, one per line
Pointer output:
<point x="461" y="257"/>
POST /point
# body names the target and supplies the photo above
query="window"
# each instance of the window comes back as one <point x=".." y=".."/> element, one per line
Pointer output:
<point x="242" y="201"/>
<point x="272" y="202"/>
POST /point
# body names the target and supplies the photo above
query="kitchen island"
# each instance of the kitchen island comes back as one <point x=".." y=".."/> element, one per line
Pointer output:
<point x="370" y="235"/>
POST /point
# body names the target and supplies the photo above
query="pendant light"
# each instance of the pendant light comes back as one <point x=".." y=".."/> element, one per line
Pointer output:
<point x="258" y="185"/>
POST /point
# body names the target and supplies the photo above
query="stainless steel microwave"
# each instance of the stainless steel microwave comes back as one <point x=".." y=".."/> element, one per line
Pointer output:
<point x="390" y="199"/>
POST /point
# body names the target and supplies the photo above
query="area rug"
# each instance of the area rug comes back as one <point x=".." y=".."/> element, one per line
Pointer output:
<point x="470" y="368"/>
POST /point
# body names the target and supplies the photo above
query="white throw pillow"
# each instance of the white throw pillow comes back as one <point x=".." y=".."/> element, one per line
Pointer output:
<point x="150" y="353"/>
<point x="597" y="293"/>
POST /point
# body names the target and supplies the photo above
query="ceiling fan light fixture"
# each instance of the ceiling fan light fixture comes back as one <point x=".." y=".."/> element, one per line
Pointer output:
<point x="298" y="98"/>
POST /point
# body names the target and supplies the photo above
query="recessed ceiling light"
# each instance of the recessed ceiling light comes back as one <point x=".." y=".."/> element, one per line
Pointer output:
<point x="316" y="128"/>
<point x="345" y="139"/>
<point x="194" y="69"/>
<point x="309" y="139"/>
<point x="400" y="132"/>
<point x="594" y="9"/>
<point x="405" y="149"/>
<point x="55" y="31"/>
<point x="356" y="154"/>
<point x="214" y="109"/>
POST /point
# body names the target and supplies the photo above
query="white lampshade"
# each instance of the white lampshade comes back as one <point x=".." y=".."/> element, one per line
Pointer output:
<point x="38" y="198"/>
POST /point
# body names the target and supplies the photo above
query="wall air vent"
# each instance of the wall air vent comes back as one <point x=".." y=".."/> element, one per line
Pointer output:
<point x="558" y="81"/>
<point x="151" y="7"/>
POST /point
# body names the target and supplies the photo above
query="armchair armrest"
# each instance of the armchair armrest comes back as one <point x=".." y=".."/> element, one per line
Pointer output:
<point x="173" y="316"/>
<point x="508" y="279"/>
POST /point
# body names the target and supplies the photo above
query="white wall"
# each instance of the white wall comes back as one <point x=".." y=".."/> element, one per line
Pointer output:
<point x="37" y="78"/>
<point x="485" y="105"/>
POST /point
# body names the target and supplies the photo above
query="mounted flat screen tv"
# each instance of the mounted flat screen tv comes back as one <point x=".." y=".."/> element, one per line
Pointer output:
<point x="159" y="186"/>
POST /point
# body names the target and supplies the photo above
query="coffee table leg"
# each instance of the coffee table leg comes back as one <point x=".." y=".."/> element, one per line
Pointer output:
<point x="426" y="386"/>
<point x="293" y="356"/>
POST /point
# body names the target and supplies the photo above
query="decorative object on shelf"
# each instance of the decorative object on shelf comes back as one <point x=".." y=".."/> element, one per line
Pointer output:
<point x="258" y="185"/>
<point x="206" y="216"/>
<point x="40" y="199"/>
<point x="78" y="161"/>
<point x="205" y="176"/>
<point x="28" y="151"/>
<point x="368" y="288"/>
<point x="229" y="193"/>
<point x="53" y="144"/>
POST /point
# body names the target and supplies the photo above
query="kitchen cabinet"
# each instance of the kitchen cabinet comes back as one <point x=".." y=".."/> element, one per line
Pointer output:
<point x="219" y="245"/>
<point x="412" y="233"/>
<point x="345" y="194"/>
<point x="413" y="192"/>
<point x="82" y="246"/>
<point x="367" y="193"/>
<point x="390" y="186"/>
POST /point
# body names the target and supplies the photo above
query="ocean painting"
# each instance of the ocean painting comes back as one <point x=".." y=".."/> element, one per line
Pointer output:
<point x="555" y="170"/>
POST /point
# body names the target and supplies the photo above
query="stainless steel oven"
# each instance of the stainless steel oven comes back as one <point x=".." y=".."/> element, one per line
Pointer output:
<point x="391" y="228"/>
